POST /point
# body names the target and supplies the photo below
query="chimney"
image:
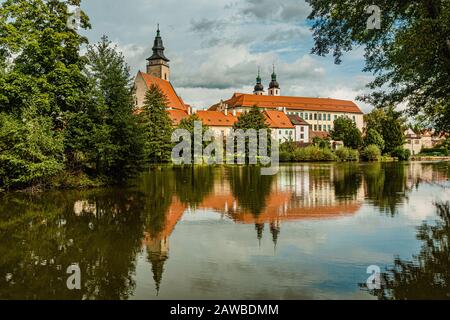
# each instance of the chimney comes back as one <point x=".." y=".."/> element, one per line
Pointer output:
<point x="189" y="110"/>
<point x="285" y="110"/>
<point x="234" y="112"/>
<point x="226" y="111"/>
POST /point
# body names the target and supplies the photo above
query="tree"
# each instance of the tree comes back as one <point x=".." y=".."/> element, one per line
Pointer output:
<point x="390" y="124"/>
<point x="189" y="125"/>
<point x="409" y="55"/>
<point x="375" y="138"/>
<point x="254" y="119"/>
<point x="122" y="148"/>
<point x="158" y="126"/>
<point x="346" y="130"/>
<point x="30" y="151"/>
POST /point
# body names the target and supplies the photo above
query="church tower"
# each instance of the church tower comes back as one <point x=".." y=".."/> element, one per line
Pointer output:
<point x="274" y="87"/>
<point x="259" y="88"/>
<point x="158" y="64"/>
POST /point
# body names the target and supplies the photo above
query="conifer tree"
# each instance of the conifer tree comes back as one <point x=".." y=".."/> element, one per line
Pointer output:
<point x="157" y="126"/>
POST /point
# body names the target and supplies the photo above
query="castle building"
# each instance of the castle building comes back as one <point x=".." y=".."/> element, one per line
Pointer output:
<point x="290" y="118"/>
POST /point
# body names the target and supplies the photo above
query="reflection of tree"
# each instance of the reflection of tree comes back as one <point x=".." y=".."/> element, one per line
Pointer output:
<point x="346" y="180"/>
<point x="41" y="237"/>
<point x="428" y="275"/>
<point x="250" y="188"/>
<point x="386" y="185"/>
<point x="159" y="189"/>
<point x="193" y="183"/>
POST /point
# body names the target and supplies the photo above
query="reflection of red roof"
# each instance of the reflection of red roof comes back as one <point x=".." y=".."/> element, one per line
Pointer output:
<point x="174" y="101"/>
<point x="216" y="118"/>
<point x="177" y="115"/>
<point x="278" y="119"/>
<point x="299" y="103"/>
<point x="278" y="208"/>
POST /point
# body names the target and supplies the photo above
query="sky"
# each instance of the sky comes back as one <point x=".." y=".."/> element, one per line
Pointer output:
<point x="216" y="47"/>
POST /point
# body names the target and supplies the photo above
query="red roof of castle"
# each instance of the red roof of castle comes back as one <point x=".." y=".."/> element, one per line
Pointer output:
<point x="300" y="103"/>
<point x="174" y="101"/>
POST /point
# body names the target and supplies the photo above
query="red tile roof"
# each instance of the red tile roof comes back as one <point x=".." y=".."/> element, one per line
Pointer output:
<point x="292" y="103"/>
<point x="216" y="118"/>
<point x="278" y="119"/>
<point x="177" y="115"/>
<point x="174" y="101"/>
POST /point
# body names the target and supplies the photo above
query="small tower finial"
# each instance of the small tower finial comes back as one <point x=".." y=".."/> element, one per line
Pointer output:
<point x="157" y="31"/>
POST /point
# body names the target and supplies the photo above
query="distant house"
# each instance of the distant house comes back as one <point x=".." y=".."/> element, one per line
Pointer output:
<point x="416" y="142"/>
<point x="302" y="128"/>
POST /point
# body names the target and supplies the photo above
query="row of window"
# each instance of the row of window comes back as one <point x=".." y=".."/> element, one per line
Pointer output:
<point x="288" y="132"/>
<point x="316" y="116"/>
<point x="322" y="128"/>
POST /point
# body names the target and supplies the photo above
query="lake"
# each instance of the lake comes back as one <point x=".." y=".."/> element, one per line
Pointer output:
<point x="310" y="232"/>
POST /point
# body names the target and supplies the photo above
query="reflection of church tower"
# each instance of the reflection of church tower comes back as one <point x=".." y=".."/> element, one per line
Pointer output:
<point x="158" y="253"/>
<point x="274" y="87"/>
<point x="275" y="230"/>
<point x="158" y="64"/>
<point x="259" y="231"/>
<point x="259" y="88"/>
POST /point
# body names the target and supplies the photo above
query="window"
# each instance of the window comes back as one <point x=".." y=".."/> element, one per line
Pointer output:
<point x="315" y="116"/>
<point x="354" y="118"/>
<point x="310" y="116"/>
<point x="315" y="127"/>
<point x="320" y="127"/>
<point x="302" y="136"/>
<point x="281" y="132"/>
<point x="329" y="128"/>
<point x="335" y="117"/>
<point x="324" y="117"/>
<point x="302" y="129"/>
<point x="320" y="117"/>
<point x="301" y="115"/>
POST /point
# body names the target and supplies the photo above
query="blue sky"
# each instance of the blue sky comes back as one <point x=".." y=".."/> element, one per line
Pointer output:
<point x="216" y="46"/>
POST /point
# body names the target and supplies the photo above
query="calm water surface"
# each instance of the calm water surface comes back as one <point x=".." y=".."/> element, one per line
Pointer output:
<point x="309" y="232"/>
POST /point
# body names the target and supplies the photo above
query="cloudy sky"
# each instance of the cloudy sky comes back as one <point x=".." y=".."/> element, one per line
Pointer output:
<point x="215" y="47"/>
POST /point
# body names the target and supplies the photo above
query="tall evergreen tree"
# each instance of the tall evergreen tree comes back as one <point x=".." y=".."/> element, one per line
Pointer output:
<point x="121" y="140"/>
<point x="157" y="126"/>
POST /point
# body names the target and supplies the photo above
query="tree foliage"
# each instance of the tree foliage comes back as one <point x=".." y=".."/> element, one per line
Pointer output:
<point x="390" y="124"/>
<point x="158" y="126"/>
<point x="409" y="55"/>
<point x="346" y="130"/>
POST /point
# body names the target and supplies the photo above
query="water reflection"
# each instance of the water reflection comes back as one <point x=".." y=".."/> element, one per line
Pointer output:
<point x="426" y="276"/>
<point x="107" y="231"/>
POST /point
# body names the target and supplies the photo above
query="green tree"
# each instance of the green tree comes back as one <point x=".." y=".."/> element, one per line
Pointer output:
<point x="254" y="119"/>
<point x="30" y="151"/>
<point x="375" y="138"/>
<point x="122" y="148"/>
<point x="158" y="126"/>
<point x="390" y="124"/>
<point x="346" y="130"/>
<point x="189" y="125"/>
<point x="409" y="55"/>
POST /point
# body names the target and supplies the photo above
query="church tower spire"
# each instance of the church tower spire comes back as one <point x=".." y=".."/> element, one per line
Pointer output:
<point x="274" y="87"/>
<point x="259" y="88"/>
<point x="158" y="64"/>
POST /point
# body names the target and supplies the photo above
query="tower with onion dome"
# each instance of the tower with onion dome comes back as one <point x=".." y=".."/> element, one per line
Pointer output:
<point x="259" y="88"/>
<point x="274" y="87"/>
<point x="158" y="64"/>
